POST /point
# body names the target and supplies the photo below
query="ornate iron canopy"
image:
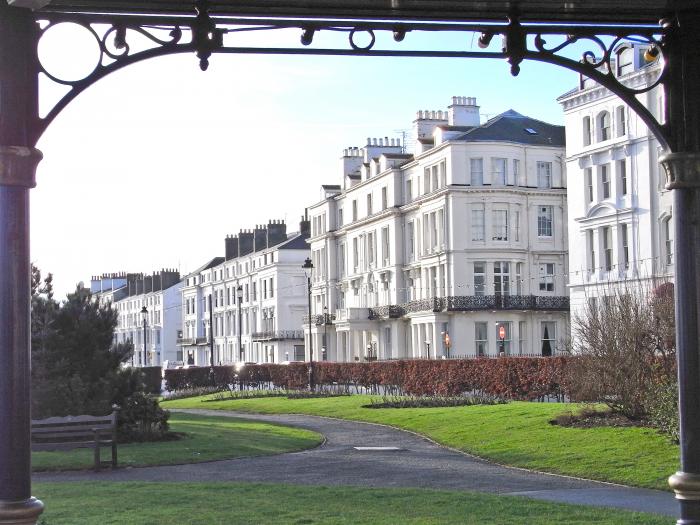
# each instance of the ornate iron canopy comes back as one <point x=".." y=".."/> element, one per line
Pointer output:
<point x="595" y="11"/>
<point x="526" y="30"/>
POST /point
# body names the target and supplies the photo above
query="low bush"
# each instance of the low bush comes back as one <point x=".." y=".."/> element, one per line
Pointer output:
<point x="142" y="419"/>
<point x="196" y="392"/>
<point x="432" y="401"/>
<point x="662" y="406"/>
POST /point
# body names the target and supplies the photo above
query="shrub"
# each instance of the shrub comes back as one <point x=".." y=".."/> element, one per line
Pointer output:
<point x="626" y="346"/>
<point x="662" y="404"/>
<point x="142" y="419"/>
<point x="152" y="379"/>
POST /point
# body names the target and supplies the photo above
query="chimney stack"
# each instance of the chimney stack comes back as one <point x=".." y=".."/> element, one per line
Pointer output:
<point x="245" y="242"/>
<point x="231" y="247"/>
<point x="463" y="112"/>
<point x="276" y="233"/>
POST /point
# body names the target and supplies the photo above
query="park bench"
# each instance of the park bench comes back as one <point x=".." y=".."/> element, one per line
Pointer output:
<point x="69" y="432"/>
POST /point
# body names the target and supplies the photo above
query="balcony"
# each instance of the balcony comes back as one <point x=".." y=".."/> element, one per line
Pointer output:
<point x="278" y="335"/>
<point x="320" y="319"/>
<point x="391" y="311"/>
<point x="471" y="303"/>
<point x="352" y="314"/>
<point x="185" y="341"/>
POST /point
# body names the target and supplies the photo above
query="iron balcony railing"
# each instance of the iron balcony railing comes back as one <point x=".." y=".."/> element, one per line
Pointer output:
<point x="320" y="319"/>
<point x="185" y="341"/>
<point x="278" y="335"/>
<point x="468" y="303"/>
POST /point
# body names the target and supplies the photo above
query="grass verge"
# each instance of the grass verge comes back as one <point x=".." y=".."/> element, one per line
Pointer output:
<point x="517" y="434"/>
<point x="205" y="439"/>
<point x="243" y="503"/>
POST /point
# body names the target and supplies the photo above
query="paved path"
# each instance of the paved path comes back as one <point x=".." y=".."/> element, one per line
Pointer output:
<point x="417" y="463"/>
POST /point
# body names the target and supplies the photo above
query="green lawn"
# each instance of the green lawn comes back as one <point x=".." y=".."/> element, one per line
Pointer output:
<point x="239" y="503"/>
<point x="516" y="434"/>
<point x="206" y="439"/>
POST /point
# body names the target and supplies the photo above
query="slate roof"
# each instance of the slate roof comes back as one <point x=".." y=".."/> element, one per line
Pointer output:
<point x="511" y="126"/>
<point x="295" y="243"/>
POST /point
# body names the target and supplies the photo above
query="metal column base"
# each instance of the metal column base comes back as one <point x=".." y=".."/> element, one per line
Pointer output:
<point x="687" y="489"/>
<point x="20" y="512"/>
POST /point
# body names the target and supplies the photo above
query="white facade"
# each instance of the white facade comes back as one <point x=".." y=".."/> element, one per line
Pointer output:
<point x="263" y="266"/>
<point x="620" y="227"/>
<point x="159" y="293"/>
<point x="449" y="244"/>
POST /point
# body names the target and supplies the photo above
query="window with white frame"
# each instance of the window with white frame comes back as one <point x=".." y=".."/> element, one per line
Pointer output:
<point x="516" y="226"/>
<point x="549" y="337"/>
<point x="518" y="278"/>
<point x="476" y="171"/>
<point x="544" y="221"/>
<point x="516" y="171"/>
<point x="625" y="252"/>
<point x="620" y="121"/>
<point x="587" y="131"/>
<point x="354" y="210"/>
<point x="500" y="225"/>
<point x="481" y="338"/>
<point x="668" y="241"/>
<point x="546" y="277"/>
<point x="522" y="337"/>
<point x="340" y="217"/>
<point x="588" y="181"/>
<point x="434" y="177"/>
<point x="342" y="262"/>
<point x="385" y="246"/>
<point x="544" y="174"/>
<point x="480" y="278"/>
<point x="409" y="190"/>
<point x="608" y="247"/>
<point x="411" y="241"/>
<point x="385" y="198"/>
<point x="499" y="167"/>
<point x="605" y="180"/>
<point x="356" y="254"/>
<point x="622" y="172"/>
<point x="478" y="226"/>
<point x="501" y="278"/>
<point x="371" y="248"/>
<point x="426" y="181"/>
<point x="590" y="240"/>
<point x="443" y="174"/>
<point x="369" y="204"/>
<point x="603" y="121"/>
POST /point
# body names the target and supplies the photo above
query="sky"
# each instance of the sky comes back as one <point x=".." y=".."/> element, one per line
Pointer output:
<point x="153" y="165"/>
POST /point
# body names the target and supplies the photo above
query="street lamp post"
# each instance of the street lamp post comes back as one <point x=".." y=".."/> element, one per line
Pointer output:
<point x="239" y="293"/>
<point x="308" y="270"/>
<point x="502" y="339"/>
<point x="427" y="346"/>
<point x="144" y="316"/>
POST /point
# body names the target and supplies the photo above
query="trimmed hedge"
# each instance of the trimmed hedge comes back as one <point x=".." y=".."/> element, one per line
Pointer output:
<point x="522" y="378"/>
<point x="152" y="379"/>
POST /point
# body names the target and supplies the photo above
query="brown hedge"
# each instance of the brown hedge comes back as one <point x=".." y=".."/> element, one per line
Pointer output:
<point x="524" y="378"/>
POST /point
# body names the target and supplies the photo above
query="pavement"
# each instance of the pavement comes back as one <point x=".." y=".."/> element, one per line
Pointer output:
<point x="392" y="458"/>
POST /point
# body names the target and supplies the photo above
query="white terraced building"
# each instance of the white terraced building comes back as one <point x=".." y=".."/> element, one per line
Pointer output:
<point x="159" y="295"/>
<point x="620" y="227"/>
<point x="254" y="298"/>
<point x="434" y="253"/>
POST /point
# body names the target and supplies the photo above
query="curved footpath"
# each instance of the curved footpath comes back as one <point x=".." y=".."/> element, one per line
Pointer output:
<point x="417" y="462"/>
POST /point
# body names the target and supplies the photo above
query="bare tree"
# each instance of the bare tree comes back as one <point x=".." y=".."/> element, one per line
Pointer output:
<point x="624" y="344"/>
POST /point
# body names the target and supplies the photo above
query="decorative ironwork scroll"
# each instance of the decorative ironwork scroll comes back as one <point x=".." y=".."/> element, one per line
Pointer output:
<point x="115" y="39"/>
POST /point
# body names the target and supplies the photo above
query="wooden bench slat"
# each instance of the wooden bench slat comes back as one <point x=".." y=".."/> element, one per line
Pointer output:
<point x="65" y="433"/>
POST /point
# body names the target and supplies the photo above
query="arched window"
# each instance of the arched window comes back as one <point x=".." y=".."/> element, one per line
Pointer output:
<point x="625" y="61"/>
<point x="603" y="122"/>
